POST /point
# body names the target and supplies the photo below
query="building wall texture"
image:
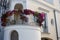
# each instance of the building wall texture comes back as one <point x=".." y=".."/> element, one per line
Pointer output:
<point x="42" y="6"/>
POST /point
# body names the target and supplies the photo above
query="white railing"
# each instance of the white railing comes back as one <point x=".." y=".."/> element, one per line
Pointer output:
<point x="28" y="21"/>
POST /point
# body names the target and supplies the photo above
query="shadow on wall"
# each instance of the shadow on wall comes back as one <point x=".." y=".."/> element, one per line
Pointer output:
<point x="1" y="33"/>
<point x="46" y="39"/>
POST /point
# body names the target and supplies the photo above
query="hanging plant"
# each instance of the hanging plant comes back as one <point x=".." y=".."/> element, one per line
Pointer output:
<point x="27" y="12"/>
<point x="13" y="11"/>
<point x="8" y="13"/>
<point x="3" y="24"/>
<point x="40" y="16"/>
<point x="43" y="15"/>
<point x="3" y="16"/>
<point x="4" y="20"/>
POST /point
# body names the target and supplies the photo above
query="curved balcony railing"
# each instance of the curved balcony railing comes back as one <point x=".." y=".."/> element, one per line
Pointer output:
<point x="27" y="17"/>
<point x="24" y="20"/>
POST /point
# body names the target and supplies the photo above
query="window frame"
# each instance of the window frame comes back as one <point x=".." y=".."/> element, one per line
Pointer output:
<point x="45" y="25"/>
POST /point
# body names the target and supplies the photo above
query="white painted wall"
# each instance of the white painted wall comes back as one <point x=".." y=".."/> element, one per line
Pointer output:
<point x="25" y="32"/>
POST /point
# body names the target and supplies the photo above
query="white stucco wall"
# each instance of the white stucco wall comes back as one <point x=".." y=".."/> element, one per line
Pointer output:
<point x="25" y="32"/>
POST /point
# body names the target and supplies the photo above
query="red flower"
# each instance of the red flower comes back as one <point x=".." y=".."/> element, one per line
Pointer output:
<point x="3" y="19"/>
<point x="8" y="13"/>
<point x="12" y="12"/>
<point x="3" y="24"/>
<point x="27" y="12"/>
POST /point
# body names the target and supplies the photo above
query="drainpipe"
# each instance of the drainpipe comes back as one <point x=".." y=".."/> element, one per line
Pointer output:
<point x="56" y="25"/>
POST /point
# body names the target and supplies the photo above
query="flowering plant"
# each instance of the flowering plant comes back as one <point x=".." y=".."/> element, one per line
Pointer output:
<point x="27" y="11"/>
<point x="40" y="16"/>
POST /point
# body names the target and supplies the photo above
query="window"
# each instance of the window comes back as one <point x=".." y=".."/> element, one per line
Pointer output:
<point x="49" y="1"/>
<point x="45" y="27"/>
<point x="14" y="35"/>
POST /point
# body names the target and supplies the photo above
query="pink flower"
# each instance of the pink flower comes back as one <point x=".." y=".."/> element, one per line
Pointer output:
<point x="41" y="18"/>
<point x="42" y="15"/>
<point x="8" y="13"/>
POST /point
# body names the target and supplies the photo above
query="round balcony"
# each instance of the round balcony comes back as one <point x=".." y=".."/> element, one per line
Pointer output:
<point x="22" y="32"/>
